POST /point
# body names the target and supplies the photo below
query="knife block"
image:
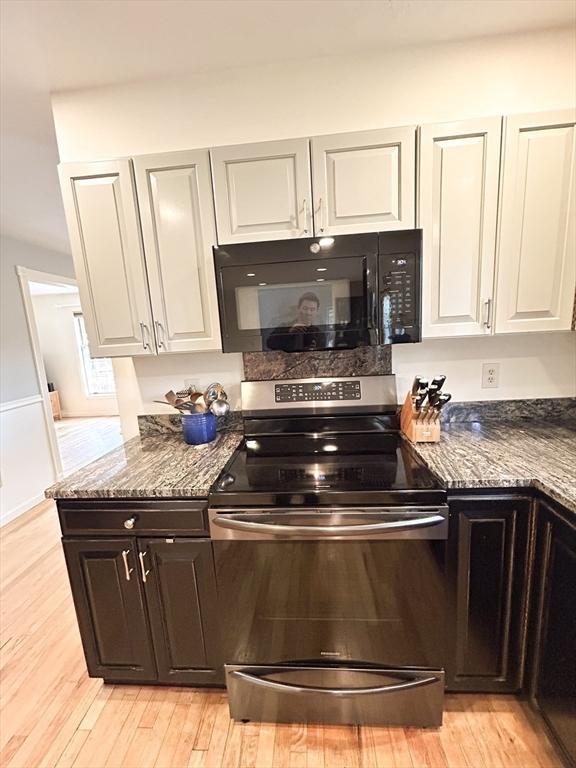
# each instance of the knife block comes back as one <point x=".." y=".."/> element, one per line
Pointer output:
<point x="416" y="430"/>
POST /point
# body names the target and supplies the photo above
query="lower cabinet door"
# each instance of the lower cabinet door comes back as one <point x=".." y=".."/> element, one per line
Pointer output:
<point x="555" y="683"/>
<point x="110" y="607"/>
<point x="336" y="695"/>
<point x="490" y="566"/>
<point x="181" y="595"/>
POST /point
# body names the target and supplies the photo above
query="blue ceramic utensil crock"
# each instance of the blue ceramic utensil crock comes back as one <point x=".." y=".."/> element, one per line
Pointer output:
<point x="199" y="428"/>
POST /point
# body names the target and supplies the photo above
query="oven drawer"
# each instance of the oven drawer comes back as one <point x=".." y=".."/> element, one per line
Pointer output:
<point x="136" y="518"/>
<point x="336" y="695"/>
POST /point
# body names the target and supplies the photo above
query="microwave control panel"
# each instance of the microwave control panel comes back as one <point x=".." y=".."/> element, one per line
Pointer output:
<point x="317" y="391"/>
<point x="399" y="298"/>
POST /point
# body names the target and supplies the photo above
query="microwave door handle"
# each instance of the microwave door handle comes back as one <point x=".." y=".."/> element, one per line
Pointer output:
<point x="416" y="681"/>
<point x="234" y="524"/>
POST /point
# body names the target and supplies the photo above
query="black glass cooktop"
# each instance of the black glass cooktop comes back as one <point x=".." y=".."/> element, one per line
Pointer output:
<point x="323" y="461"/>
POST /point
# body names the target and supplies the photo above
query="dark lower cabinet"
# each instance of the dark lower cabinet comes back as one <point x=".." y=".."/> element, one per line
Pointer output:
<point x="146" y="608"/>
<point x="554" y="679"/>
<point x="181" y="595"/>
<point x="109" y="602"/>
<point x="489" y="546"/>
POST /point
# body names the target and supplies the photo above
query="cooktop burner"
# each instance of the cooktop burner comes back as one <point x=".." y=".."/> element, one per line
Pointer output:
<point x="316" y="455"/>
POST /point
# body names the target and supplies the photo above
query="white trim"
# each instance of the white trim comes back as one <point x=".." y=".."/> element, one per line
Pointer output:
<point x="25" y="276"/>
<point x="88" y="415"/>
<point x="10" y="405"/>
<point x="15" y="512"/>
<point x="36" y="276"/>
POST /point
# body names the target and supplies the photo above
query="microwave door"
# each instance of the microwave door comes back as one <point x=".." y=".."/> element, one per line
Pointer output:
<point x="302" y="302"/>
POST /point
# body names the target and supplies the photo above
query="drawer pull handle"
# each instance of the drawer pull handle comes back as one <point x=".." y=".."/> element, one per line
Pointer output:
<point x="130" y="523"/>
<point x="127" y="569"/>
<point x="145" y="573"/>
<point x="415" y="681"/>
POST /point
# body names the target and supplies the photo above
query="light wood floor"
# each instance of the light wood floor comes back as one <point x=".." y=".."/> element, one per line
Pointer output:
<point x="52" y="714"/>
<point x="83" y="440"/>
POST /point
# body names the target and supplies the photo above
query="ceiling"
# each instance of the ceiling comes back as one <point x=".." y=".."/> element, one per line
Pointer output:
<point x="51" y="45"/>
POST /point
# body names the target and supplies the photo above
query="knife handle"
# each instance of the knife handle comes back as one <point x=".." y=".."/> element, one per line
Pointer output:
<point x="438" y="381"/>
<point x="416" y="385"/>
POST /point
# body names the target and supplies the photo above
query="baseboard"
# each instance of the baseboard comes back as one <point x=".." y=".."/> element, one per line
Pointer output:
<point x="12" y="514"/>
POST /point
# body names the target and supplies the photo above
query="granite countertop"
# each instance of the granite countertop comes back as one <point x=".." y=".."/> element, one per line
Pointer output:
<point x="506" y="455"/>
<point x="160" y="465"/>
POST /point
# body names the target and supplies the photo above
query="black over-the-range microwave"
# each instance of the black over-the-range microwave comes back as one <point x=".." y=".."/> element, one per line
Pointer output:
<point x="320" y="293"/>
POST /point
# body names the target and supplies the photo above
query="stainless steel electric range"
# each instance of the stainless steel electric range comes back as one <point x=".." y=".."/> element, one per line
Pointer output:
<point x="330" y="543"/>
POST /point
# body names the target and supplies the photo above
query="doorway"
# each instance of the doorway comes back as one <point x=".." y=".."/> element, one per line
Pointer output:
<point x="78" y="391"/>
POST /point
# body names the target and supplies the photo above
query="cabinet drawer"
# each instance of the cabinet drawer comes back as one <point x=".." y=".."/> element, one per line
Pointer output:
<point x="134" y="518"/>
<point x="336" y="695"/>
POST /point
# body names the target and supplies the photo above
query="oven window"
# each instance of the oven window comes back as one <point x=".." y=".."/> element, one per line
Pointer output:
<point x="379" y="602"/>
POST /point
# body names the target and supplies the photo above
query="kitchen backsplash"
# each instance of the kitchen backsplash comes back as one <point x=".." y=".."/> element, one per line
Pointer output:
<point x="171" y="423"/>
<point x="364" y="361"/>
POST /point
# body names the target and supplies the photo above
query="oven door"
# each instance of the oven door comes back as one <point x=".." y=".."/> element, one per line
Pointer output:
<point x="300" y="295"/>
<point x="334" y="589"/>
<point x="337" y="585"/>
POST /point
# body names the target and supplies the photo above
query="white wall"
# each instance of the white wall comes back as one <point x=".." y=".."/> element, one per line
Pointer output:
<point x="531" y="365"/>
<point x="314" y="96"/>
<point x="17" y="371"/>
<point x="26" y="464"/>
<point x="54" y="315"/>
<point x="302" y="98"/>
<point x="26" y="461"/>
<point x="141" y="380"/>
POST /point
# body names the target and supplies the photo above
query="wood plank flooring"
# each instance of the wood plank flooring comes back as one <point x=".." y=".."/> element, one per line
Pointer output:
<point x="54" y="716"/>
<point x="84" y="440"/>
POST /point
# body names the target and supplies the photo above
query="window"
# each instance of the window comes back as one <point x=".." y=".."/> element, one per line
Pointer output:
<point x="97" y="373"/>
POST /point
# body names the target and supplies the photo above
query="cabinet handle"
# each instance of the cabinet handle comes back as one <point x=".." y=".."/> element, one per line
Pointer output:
<point x="305" y="210"/>
<point x="488" y="313"/>
<point x="145" y="573"/>
<point x="127" y="569"/>
<point x="160" y="334"/>
<point x="144" y="332"/>
<point x="130" y="522"/>
<point x="321" y="212"/>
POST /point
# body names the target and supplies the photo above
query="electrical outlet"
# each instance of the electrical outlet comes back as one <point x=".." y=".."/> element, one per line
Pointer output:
<point x="191" y="383"/>
<point x="490" y="375"/>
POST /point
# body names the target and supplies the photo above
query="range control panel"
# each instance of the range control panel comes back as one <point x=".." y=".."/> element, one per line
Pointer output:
<point x="316" y="391"/>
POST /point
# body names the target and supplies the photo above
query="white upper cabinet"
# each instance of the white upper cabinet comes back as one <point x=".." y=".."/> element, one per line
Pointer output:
<point x="536" y="252"/>
<point x="364" y="182"/>
<point x="458" y="197"/>
<point x="262" y="191"/>
<point x="101" y="212"/>
<point x="175" y="198"/>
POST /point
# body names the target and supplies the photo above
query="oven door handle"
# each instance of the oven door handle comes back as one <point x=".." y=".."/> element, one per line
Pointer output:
<point x="415" y="682"/>
<point x="232" y="523"/>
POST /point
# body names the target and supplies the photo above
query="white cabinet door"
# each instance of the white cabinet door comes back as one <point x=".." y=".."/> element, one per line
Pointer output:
<point x="364" y="182"/>
<point x="458" y="200"/>
<point x="536" y="250"/>
<point x="175" y="198"/>
<point x="102" y="216"/>
<point x="262" y="191"/>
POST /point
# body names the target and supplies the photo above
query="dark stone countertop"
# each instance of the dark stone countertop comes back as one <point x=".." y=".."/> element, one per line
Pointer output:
<point x="492" y="454"/>
<point x="504" y="454"/>
<point x="158" y="466"/>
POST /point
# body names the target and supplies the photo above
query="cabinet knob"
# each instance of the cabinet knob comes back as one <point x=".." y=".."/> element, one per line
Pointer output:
<point x="130" y="523"/>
